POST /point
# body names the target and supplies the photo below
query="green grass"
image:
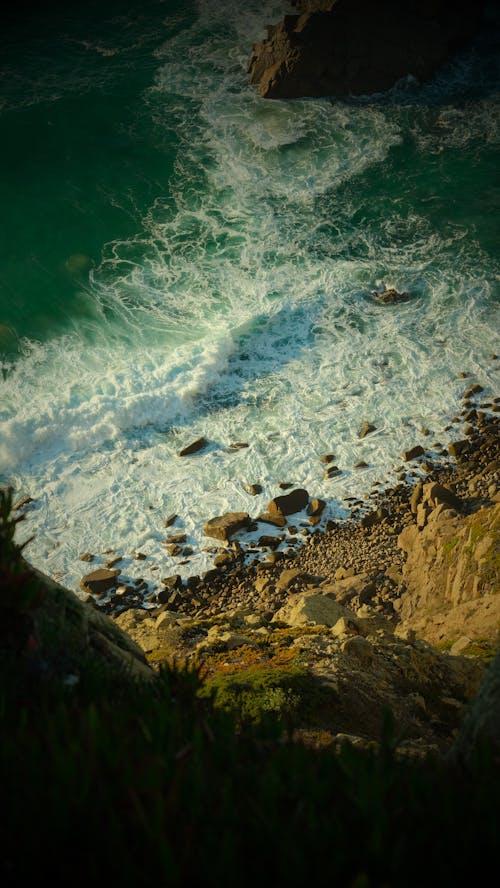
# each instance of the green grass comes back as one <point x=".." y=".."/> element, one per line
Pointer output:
<point x="114" y="781"/>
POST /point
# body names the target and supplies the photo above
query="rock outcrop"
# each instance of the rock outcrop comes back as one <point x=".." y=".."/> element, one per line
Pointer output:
<point x="451" y="574"/>
<point x="357" y="47"/>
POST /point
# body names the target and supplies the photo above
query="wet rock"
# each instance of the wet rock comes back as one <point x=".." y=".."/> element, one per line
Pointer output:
<point x="112" y="561"/>
<point x="172" y="582"/>
<point x="253" y="489"/>
<point x="275" y="520"/>
<point x="173" y="549"/>
<point x="100" y="581"/>
<point x="331" y="472"/>
<point x="390" y="296"/>
<point x="289" y="503"/>
<point x="361" y="464"/>
<point x="269" y="542"/>
<point x="194" y="447"/>
<point x="224" y="559"/>
<point x="340" y="48"/>
<point x="176" y="538"/>
<point x="86" y="556"/>
<point x="473" y="390"/>
<point x="316" y="507"/>
<point x="238" y="445"/>
<point x="327" y="458"/>
<point x="22" y="502"/>
<point x="170" y="520"/>
<point x="366" y="429"/>
<point x="223" y="527"/>
<point x="413" y="453"/>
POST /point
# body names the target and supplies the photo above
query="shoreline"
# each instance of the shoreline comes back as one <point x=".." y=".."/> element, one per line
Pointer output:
<point x="365" y="541"/>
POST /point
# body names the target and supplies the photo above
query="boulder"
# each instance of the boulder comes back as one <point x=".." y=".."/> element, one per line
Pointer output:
<point x="366" y="428"/>
<point x="413" y="453"/>
<point x="276" y="520"/>
<point x="312" y="608"/>
<point x="194" y="447"/>
<point x="289" y="503"/>
<point x="100" y="581"/>
<point x="224" y="526"/>
<point x="316" y="507"/>
<point x="390" y="297"/>
<point x="352" y="47"/>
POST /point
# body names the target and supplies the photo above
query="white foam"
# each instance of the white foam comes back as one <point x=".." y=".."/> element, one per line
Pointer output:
<point x="241" y="311"/>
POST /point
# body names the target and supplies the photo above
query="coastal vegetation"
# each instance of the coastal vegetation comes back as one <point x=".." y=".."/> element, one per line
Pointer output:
<point x="111" y="773"/>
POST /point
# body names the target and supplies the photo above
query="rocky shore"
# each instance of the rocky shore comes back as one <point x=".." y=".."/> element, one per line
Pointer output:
<point x="397" y="607"/>
<point x="356" y="47"/>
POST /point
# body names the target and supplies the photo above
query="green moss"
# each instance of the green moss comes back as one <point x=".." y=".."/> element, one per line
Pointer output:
<point x="291" y="694"/>
<point x="449" y="547"/>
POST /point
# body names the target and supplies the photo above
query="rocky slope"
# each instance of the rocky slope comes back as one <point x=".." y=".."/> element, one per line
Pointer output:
<point x="398" y="608"/>
<point x="357" y="47"/>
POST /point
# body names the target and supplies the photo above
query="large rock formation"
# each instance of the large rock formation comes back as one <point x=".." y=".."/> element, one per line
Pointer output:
<point x="358" y="47"/>
<point x="451" y="574"/>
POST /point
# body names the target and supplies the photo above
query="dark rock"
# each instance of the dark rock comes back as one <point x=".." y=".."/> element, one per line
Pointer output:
<point x="238" y="445"/>
<point x="224" y="559"/>
<point x="327" y="458"/>
<point x="437" y="494"/>
<point x="413" y="453"/>
<point x="224" y="526"/>
<point x="112" y="561"/>
<point x="99" y="581"/>
<point x="366" y="428"/>
<point x="140" y="556"/>
<point x="170" y="520"/>
<point x="86" y="556"/>
<point x="253" y="489"/>
<point x="456" y="448"/>
<point x="173" y="549"/>
<point x="194" y="447"/>
<point x="316" y="507"/>
<point x="210" y="575"/>
<point x="285" y="485"/>
<point x="176" y="538"/>
<point x="23" y="502"/>
<point x="374" y="518"/>
<point x="361" y="464"/>
<point x="276" y="520"/>
<point x="331" y="472"/>
<point x="390" y="296"/>
<point x="173" y="582"/>
<point x="270" y="542"/>
<point x="356" y="48"/>
<point x="289" y="503"/>
<point x="473" y="390"/>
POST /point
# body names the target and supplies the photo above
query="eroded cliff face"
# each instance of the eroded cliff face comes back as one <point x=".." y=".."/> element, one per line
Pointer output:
<point x="452" y="593"/>
<point x="357" y="47"/>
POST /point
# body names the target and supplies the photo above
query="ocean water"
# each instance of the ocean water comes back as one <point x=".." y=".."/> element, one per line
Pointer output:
<point x="182" y="258"/>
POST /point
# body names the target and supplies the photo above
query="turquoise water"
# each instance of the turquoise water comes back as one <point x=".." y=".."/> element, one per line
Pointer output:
<point x="181" y="258"/>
